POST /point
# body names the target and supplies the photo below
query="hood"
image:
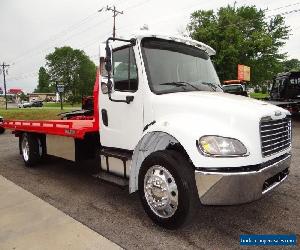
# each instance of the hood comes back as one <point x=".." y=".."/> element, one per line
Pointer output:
<point x="215" y="105"/>
<point x="189" y="115"/>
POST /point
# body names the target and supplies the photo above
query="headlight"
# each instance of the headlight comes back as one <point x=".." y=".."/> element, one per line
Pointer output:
<point x="218" y="146"/>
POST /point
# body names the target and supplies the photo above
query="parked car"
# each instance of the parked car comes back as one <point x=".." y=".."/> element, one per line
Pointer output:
<point x="24" y="104"/>
<point x="1" y="128"/>
<point x="37" y="104"/>
<point x="236" y="89"/>
<point x="31" y="104"/>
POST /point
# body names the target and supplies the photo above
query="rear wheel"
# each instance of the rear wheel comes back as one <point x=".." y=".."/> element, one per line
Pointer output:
<point x="167" y="189"/>
<point x="2" y="130"/>
<point x="31" y="149"/>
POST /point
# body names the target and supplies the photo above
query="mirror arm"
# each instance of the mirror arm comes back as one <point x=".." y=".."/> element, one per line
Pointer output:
<point x="108" y="67"/>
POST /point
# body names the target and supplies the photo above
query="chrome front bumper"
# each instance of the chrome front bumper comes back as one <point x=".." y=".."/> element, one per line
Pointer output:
<point x="229" y="188"/>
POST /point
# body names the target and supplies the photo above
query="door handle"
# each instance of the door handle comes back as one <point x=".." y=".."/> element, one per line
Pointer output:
<point x="104" y="117"/>
<point x="129" y="99"/>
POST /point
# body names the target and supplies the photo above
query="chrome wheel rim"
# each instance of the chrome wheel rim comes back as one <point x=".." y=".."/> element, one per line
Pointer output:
<point x="161" y="191"/>
<point x="25" y="148"/>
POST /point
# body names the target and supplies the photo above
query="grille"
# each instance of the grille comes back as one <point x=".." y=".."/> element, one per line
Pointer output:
<point x="275" y="135"/>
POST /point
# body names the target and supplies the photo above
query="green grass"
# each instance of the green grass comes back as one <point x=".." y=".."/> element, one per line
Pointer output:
<point x="30" y="114"/>
<point x="259" y="95"/>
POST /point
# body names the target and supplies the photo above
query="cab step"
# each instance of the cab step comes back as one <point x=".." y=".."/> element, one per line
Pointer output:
<point x="116" y="162"/>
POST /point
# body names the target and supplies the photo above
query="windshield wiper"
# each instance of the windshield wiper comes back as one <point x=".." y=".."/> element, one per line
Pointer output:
<point x="180" y="84"/>
<point x="213" y="86"/>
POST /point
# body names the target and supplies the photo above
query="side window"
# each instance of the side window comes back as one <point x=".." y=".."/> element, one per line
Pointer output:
<point x="295" y="81"/>
<point x="276" y="83"/>
<point x="125" y="70"/>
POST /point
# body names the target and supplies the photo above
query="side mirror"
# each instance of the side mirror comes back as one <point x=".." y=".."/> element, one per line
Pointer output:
<point x="108" y="66"/>
<point x="104" y="87"/>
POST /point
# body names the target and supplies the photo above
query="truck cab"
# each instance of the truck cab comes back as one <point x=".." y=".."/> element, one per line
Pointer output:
<point x="285" y="91"/>
<point x="163" y="124"/>
<point x="163" y="100"/>
<point x="286" y="86"/>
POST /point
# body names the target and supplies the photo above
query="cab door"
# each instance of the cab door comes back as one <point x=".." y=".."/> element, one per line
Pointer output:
<point x="121" y="124"/>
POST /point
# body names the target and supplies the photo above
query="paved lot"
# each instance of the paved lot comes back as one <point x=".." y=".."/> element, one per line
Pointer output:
<point x="118" y="216"/>
<point x="27" y="222"/>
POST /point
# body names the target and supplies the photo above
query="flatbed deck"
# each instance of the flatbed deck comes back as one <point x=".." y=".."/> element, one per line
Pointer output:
<point x="71" y="128"/>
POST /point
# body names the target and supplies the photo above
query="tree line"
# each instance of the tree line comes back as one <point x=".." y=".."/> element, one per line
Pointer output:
<point x="240" y="35"/>
<point x="70" y="67"/>
<point x="244" y="35"/>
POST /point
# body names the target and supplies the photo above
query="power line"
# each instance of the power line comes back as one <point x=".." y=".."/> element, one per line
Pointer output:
<point x="69" y="29"/>
<point x="282" y="7"/>
<point x="284" y="13"/>
<point x="57" y="36"/>
<point x="137" y="5"/>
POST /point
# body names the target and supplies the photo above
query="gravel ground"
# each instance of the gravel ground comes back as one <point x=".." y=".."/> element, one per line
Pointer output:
<point x="112" y="212"/>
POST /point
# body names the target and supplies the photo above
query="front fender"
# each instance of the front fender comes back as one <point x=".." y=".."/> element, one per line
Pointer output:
<point x="150" y="142"/>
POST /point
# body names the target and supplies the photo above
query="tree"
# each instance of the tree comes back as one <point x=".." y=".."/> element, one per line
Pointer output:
<point x="292" y="65"/>
<point x="44" y="82"/>
<point x="241" y="35"/>
<point x="24" y="97"/>
<point x="74" y="69"/>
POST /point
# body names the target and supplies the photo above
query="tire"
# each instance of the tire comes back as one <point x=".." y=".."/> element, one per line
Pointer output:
<point x="181" y="199"/>
<point x="31" y="149"/>
<point x="2" y="130"/>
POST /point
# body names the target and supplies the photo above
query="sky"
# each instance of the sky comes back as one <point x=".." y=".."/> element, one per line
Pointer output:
<point x="31" y="29"/>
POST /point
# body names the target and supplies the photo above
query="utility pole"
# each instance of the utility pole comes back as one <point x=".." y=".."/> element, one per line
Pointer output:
<point x="4" y="71"/>
<point x="116" y="12"/>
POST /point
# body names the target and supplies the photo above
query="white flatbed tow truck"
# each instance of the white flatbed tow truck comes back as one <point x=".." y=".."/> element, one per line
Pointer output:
<point x="163" y="124"/>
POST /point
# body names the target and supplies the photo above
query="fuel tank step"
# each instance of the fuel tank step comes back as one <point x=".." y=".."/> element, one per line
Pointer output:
<point x="116" y="162"/>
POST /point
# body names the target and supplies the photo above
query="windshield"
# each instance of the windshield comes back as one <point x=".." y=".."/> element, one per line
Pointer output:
<point x="176" y="67"/>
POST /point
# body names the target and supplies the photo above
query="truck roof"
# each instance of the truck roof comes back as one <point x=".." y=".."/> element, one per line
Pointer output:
<point x="143" y="34"/>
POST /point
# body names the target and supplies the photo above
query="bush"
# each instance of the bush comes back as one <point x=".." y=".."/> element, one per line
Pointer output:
<point x="264" y="90"/>
<point x="74" y="99"/>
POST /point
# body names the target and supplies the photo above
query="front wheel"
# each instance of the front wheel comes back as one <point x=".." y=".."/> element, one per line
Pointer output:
<point x="167" y="189"/>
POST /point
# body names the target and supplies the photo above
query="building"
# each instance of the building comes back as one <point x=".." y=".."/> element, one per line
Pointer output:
<point x="47" y="97"/>
<point x="13" y="95"/>
<point x="15" y="91"/>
